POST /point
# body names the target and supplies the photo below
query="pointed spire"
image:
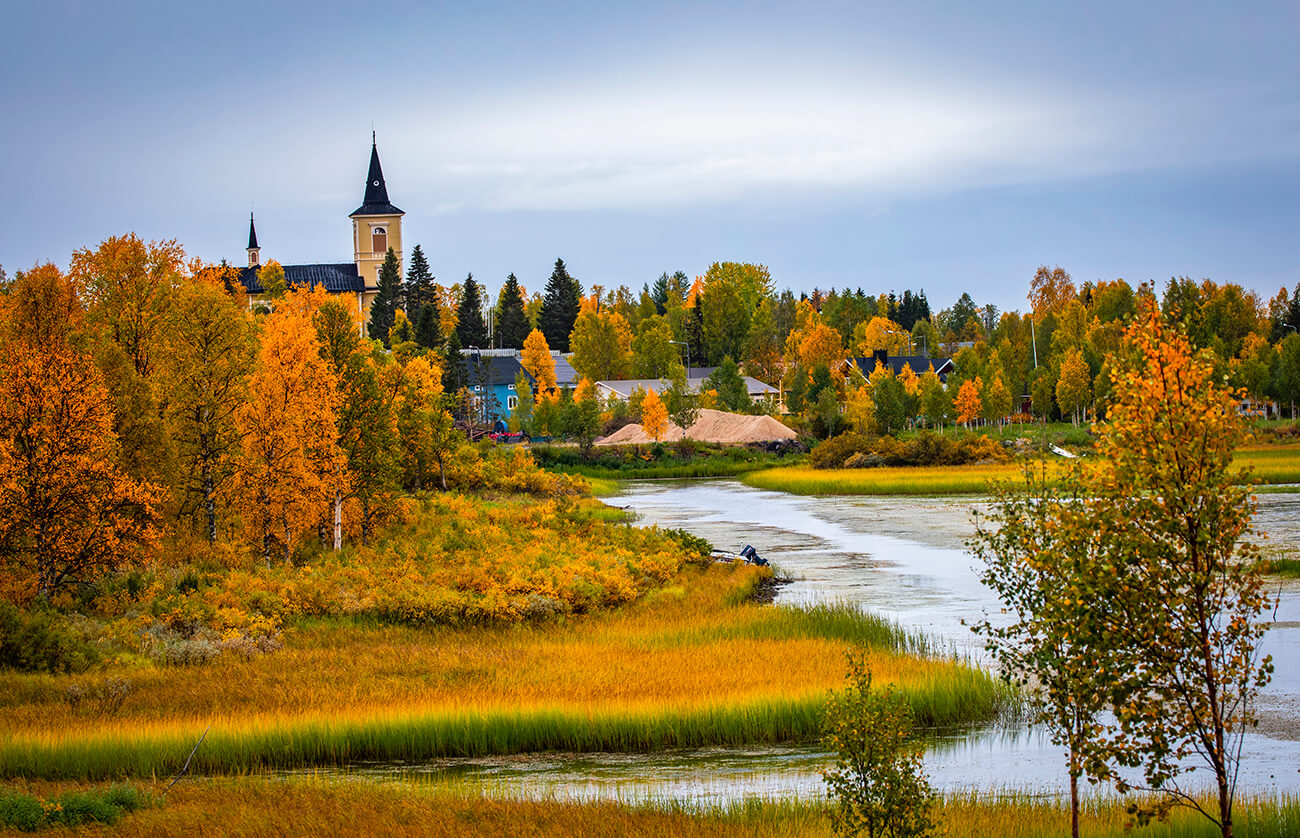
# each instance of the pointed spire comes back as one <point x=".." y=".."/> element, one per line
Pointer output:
<point x="375" y="201"/>
<point x="252" y="233"/>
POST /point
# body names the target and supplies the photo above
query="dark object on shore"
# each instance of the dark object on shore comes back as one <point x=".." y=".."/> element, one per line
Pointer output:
<point x="750" y="555"/>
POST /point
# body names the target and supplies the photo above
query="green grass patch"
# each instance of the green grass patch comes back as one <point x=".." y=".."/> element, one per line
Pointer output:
<point x="28" y="813"/>
<point x="1289" y="568"/>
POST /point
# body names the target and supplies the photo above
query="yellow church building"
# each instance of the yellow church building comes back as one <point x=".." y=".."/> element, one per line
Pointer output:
<point x="376" y="227"/>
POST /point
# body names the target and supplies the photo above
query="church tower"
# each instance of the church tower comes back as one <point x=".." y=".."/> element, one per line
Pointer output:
<point x="254" y="252"/>
<point x="376" y="227"/>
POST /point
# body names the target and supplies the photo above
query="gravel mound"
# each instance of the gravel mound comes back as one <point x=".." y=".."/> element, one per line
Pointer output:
<point x="710" y="426"/>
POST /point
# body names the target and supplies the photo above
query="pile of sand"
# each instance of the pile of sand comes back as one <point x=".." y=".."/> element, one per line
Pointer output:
<point x="710" y="426"/>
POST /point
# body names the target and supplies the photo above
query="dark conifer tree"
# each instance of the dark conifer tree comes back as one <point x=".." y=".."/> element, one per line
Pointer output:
<point x="695" y="333"/>
<point x="417" y="291"/>
<point x="512" y="325"/>
<point x="384" y="307"/>
<point x="470" y="328"/>
<point x="454" y="372"/>
<point x="428" y="331"/>
<point x="560" y="306"/>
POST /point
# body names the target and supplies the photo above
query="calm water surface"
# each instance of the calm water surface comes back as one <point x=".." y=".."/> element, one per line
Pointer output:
<point x="900" y="557"/>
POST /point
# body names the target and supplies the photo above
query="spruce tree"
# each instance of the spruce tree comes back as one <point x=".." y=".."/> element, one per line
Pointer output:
<point x="454" y="373"/>
<point x="560" y="306"/>
<point x="384" y="306"/>
<point x="428" y="331"/>
<point x="512" y="325"/>
<point x="470" y="328"/>
<point x="417" y="291"/>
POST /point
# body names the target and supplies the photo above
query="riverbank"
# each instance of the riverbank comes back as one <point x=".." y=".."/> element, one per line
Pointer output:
<point x="318" y="807"/>
<point x="690" y="664"/>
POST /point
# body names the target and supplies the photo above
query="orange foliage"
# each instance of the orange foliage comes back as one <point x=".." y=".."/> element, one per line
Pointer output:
<point x="969" y="405"/>
<point x="291" y="461"/>
<point x="654" y="416"/>
<point x="536" y="358"/>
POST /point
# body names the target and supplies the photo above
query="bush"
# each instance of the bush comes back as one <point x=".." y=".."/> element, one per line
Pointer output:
<point x="855" y="450"/>
<point x="42" y="640"/>
<point x="877" y="784"/>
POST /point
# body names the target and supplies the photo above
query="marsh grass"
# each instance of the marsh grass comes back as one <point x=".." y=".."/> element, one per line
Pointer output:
<point x="687" y="666"/>
<point x="318" y="806"/>
<point x="1268" y="465"/>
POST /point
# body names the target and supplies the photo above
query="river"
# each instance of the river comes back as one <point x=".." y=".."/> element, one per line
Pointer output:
<point x="900" y="557"/>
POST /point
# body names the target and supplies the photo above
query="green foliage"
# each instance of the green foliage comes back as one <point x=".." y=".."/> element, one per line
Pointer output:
<point x="877" y="783"/>
<point x="511" y="323"/>
<point x="733" y="395"/>
<point x="42" y="640"/>
<point x="470" y="326"/>
<point x="383" y="308"/>
<point x="27" y="813"/>
<point x="560" y="305"/>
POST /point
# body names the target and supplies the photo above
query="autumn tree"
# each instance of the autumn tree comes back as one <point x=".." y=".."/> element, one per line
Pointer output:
<point x="969" y="405"/>
<point x="67" y="511"/>
<point x="1188" y="594"/>
<point x="654" y="416"/>
<point x="1042" y="556"/>
<point x="1050" y="290"/>
<point x="536" y="358"/>
<point x="291" y="464"/>
<point x="601" y="343"/>
<point x="271" y="277"/>
<point x="383" y="308"/>
<point x="996" y="401"/>
<point x="560" y="305"/>
<point x="1072" y="387"/>
<point x="763" y="345"/>
<point x="207" y="357"/>
<point x="511" y="325"/>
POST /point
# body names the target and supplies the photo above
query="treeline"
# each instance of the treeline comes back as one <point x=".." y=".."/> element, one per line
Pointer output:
<point x="1050" y="362"/>
<point x="142" y="403"/>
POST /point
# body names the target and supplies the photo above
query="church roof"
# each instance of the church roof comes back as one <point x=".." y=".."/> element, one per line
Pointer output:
<point x="375" y="201"/>
<point x="252" y="233"/>
<point x="335" y="278"/>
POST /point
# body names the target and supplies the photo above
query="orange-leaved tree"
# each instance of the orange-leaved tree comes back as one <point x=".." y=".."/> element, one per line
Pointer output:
<point x="67" y="511"/>
<point x="291" y="464"/>
<point x="654" y="416"/>
<point x="536" y="358"/>
<point x="968" y="404"/>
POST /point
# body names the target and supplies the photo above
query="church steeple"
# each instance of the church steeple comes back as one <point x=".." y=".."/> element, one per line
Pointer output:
<point x="376" y="226"/>
<point x="254" y="252"/>
<point x="375" y="201"/>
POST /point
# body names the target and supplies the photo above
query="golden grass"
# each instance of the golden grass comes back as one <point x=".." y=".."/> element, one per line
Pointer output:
<point x="1269" y="465"/>
<point x="681" y="667"/>
<point x="251" y="806"/>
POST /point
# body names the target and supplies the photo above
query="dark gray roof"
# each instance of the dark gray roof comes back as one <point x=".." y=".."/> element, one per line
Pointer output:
<point x="335" y="278"/>
<point x="252" y="233"/>
<point x="492" y="369"/>
<point x="375" y="201"/>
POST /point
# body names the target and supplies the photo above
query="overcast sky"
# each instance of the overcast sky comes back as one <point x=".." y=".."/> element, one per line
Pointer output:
<point x="946" y="146"/>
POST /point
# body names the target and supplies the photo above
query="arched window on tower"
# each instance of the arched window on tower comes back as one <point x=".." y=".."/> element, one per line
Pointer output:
<point x="379" y="240"/>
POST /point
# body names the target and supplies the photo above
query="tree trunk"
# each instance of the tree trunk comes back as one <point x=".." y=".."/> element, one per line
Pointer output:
<point x="365" y="521"/>
<point x="1074" y="804"/>
<point x="209" y="503"/>
<point x="338" y="521"/>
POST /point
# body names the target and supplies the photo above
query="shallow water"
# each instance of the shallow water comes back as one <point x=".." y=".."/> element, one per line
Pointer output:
<point x="901" y="557"/>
